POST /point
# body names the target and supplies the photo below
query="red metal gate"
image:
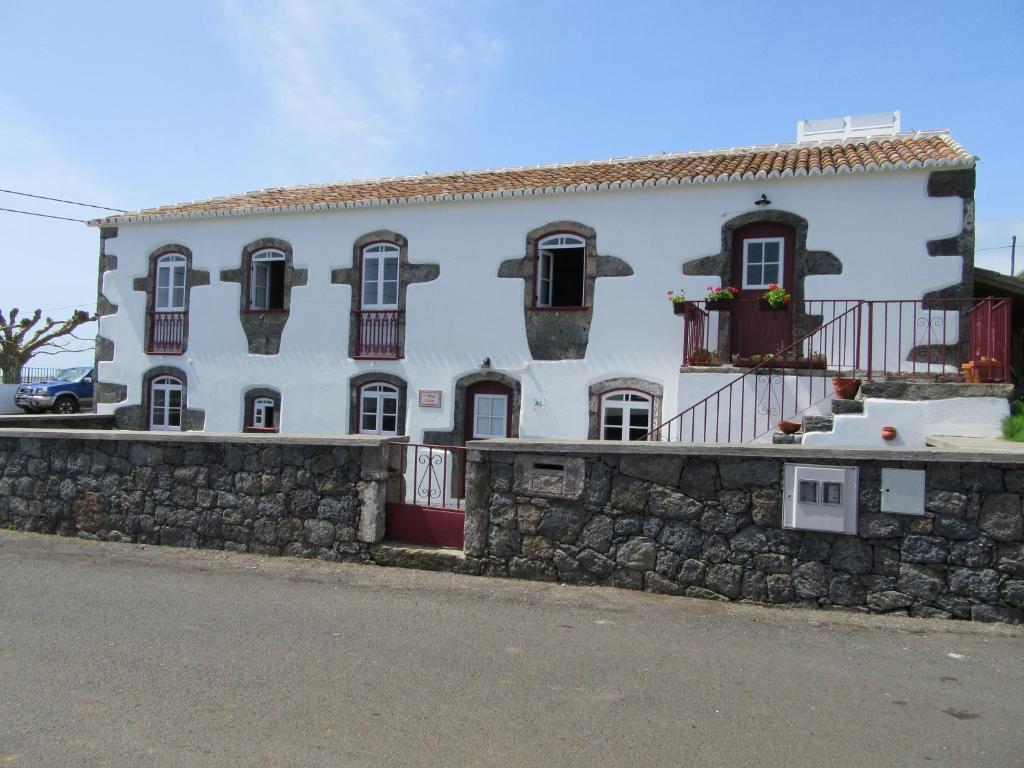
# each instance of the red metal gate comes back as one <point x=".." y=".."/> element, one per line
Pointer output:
<point x="990" y="338"/>
<point x="426" y="502"/>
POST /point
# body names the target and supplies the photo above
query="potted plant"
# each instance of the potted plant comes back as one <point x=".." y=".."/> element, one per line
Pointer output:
<point x="788" y="427"/>
<point x="702" y="357"/>
<point x="775" y="298"/>
<point x="720" y="298"/>
<point x="678" y="301"/>
<point x="845" y="389"/>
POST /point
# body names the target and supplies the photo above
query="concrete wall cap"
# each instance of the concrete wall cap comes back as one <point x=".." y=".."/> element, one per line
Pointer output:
<point x="713" y="451"/>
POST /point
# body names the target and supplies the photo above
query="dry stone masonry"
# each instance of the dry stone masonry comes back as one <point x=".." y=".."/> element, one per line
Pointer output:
<point x="310" y="498"/>
<point x="709" y="524"/>
<point x="681" y="520"/>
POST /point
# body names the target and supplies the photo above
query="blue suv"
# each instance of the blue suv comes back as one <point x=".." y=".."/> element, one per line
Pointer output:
<point x="68" y="392"/>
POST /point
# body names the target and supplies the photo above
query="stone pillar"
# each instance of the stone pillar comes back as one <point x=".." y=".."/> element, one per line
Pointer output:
<point x="372" y="488"/>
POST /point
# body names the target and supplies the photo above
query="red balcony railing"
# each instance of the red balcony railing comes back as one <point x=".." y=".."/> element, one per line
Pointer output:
<point x="900" y="338"/>
<point x="378" y="334"/>
<point x="166" y="333"/>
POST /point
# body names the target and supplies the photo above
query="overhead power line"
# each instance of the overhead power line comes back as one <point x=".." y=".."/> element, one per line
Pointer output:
<point x="43" y="215"/>
<point x="62" y="200"/>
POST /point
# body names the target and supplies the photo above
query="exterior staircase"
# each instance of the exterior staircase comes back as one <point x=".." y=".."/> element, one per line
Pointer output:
<point x="909" y="391"/>
<point x="900" y="350"/>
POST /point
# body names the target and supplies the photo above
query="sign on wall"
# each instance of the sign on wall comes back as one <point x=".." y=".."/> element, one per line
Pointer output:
<point x="430" y="398"/>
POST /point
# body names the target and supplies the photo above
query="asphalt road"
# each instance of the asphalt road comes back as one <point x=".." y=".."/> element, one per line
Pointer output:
<point x="121" y="655"/>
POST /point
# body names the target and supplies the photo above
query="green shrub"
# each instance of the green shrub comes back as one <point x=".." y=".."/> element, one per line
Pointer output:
<point x="1013" y="425"/>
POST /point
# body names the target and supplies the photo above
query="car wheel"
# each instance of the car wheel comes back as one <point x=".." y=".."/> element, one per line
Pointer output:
<point x="65" y="405"/>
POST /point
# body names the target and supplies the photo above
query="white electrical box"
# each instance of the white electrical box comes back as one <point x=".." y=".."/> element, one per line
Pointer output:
<point x="903" y="491"/>
<point x="818" y="498"/>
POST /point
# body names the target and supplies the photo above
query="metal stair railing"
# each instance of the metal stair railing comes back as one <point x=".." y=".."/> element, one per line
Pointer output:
<point x="809" y="363"/>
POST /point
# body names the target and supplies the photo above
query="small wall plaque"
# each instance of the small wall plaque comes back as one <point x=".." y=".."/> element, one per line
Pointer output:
<point x="430" y="398"/>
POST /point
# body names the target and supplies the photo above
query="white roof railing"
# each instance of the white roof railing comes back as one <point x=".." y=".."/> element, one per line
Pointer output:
<point x="848" y="127"/>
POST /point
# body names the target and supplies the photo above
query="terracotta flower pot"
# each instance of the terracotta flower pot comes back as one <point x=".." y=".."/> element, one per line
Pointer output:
<point x="846" y="389"/>
<point x="789" y="427"/>
<point x="888" y="432"/>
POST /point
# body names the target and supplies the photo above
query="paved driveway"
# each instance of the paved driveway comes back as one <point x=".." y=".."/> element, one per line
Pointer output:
<point x="120" y="655"/>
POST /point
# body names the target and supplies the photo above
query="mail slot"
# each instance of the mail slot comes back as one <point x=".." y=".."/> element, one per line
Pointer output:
<point x="551" y="477"/>
<point x="820" y="498"/>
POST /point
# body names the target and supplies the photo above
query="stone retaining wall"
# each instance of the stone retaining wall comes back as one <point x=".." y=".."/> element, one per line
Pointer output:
<point x="311" y="497"/>
<point x="707" y="522"/>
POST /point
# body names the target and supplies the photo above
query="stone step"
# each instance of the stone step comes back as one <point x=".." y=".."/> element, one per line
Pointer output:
<point x="781" y="438"/>
<point x="894" y="389"/>
<point x="817" y="424"/>
<point x="847" y="406"/>
<point x="400" y="554"/>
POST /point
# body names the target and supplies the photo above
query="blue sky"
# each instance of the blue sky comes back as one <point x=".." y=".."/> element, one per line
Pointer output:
<point x="133" y="104"/>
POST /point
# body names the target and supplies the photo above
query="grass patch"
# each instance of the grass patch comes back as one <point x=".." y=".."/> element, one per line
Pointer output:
<point x="1013" y="425"/>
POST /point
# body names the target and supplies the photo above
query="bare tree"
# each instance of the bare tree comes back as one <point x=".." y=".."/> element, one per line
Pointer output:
<point x="22" y="338"/>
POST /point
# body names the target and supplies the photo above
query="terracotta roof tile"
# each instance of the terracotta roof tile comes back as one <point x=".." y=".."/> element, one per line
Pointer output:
<point x="928" y="149"/>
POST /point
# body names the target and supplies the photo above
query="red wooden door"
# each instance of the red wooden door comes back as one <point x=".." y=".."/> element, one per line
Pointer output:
<point x="762" y="254"/>
<point x="492" y="402"/>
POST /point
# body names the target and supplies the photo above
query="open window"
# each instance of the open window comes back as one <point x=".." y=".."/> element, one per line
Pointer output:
<point x="262" y="411"/>
<point x="625" y="415"/>
<point x="378" y="409"/>
<point x="166" y="404"/>
<point x="266" y="283"/>
<point x="561" y="271"/>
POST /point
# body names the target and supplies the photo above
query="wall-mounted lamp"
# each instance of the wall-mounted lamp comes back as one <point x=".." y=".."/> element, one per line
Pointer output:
<point x="763" y="200"/>
<point x="486" y="363"/>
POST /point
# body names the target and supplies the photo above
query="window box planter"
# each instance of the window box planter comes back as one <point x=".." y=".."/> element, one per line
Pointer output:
<point x="814" y="362"/>
<point x="766" y="307"/>
<point x="678" y="307"/>
<point x="718" y="305"/>
<point x="703" y="358"/>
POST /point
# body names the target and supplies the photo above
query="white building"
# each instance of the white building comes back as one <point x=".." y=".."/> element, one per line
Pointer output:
<point x="527" y="301"/>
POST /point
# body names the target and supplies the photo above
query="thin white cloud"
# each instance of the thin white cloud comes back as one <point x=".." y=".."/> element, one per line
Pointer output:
<point x="348" y="82"/>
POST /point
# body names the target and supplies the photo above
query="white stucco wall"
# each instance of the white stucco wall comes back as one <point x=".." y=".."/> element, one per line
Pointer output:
<point x="877" y="224"/>
<point x="915" y="422"/>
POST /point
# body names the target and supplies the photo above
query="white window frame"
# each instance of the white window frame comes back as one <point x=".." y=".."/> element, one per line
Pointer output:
<point x="546" y="249"/>
<point x="165" y="385"/>
<point x="375" y="394"/>
<point x="259" y="412"/>
<point x="626" y="401"/>
<point x="381" y="254"/>
<point x="748" y="241"/>
<point x="170" y="271"/>
<point x="501" y="417"/>
<point x="260" y="266"/>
